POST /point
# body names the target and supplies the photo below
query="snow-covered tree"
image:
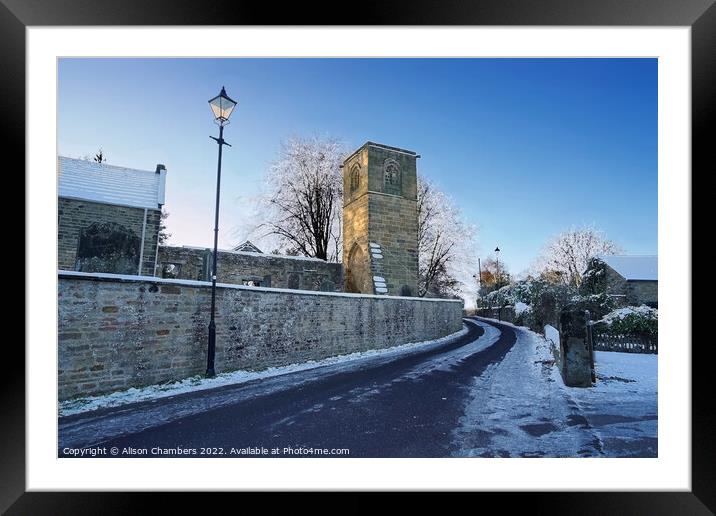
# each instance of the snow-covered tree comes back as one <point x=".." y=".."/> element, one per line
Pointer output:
<point x="446" y="245"/>
<point x="301" y="207"/>
<point x="567" y="255"/>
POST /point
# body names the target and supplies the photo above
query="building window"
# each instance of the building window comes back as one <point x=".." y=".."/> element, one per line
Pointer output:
<point x="355" y="178"/>
<point x="391" y="177"/>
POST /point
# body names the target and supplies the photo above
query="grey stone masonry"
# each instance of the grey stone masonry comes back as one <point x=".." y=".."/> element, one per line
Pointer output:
<point x="575" y="354"/>
<point x="256" y="269"/>
<point x="117" y="332"/>
<point x="632" y="292"/>
<point x="75" y="216"/>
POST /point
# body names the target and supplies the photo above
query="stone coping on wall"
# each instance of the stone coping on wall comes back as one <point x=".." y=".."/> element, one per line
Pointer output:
<point x="257" y="255"/>
<point x="106" y="276"/>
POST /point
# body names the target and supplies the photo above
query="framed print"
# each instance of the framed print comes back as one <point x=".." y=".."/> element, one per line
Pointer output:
<point x="413" y="252"/>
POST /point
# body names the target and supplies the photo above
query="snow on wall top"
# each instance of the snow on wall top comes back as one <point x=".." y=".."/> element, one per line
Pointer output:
<point x="264" y="255"/>
<point x="99" y="182"/>
<point x="634" y="267"/>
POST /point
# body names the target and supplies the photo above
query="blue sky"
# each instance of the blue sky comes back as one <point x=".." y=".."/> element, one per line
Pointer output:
<point x="526" y="147"/>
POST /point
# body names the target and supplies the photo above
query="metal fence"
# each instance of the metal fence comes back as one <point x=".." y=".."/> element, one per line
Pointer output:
<point x="625" y="343"/>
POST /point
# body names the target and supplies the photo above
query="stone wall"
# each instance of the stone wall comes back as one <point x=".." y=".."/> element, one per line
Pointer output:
<point x="635" y="292"/>
<point x="239" y="267"/>
<point x="506" y="313"/>
<point x="116" y="332"/>
<point x="643" y="293"/>
<point x="393" y="226"/>
<point x="74" y="216"/>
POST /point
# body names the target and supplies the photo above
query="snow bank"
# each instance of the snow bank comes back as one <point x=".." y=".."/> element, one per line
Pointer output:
<point x="551" y="333"/>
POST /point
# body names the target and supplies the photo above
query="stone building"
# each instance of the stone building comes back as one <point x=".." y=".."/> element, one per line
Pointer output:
<point x="380" y="221"/>
<point x="109" y="221"/>
<point x="633" y="279"/>
<point x="108" y="217"/>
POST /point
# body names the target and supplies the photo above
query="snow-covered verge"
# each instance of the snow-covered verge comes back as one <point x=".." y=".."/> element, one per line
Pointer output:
<point x="520" y="407"/>
<point x="198" y="383"/>
<point x="622" y="407"/>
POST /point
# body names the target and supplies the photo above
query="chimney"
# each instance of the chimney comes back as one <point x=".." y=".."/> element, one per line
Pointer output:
<point x="160" y="167"/>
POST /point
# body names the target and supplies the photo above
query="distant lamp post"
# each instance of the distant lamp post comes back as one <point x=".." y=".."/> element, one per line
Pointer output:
<point x="497" y="268"/>
<point x="221" y="106"/>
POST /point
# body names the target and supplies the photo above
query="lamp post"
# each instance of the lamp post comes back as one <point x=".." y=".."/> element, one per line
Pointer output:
<point x="221" y="107"/>
<point x="497" y="268"/>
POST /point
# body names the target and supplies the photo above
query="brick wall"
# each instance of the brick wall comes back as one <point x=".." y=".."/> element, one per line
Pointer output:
<point x="270" y="270"/>
<point x="119" y="332"/>
<point x="75" y="215"/>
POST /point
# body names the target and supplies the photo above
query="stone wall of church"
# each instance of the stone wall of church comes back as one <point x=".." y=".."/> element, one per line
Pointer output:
<point x="257" y="269"/>
<point x="117" y="332"/>
<point x="393" y="227"/>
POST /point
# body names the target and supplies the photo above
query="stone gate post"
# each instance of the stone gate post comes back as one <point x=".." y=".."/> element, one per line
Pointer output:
<point x="574" y="348"/>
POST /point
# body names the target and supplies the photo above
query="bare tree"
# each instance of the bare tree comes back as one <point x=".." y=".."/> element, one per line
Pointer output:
<point x="446" y="243"/>
<point x="302" y="206"/>
<point x="567" y="255"/>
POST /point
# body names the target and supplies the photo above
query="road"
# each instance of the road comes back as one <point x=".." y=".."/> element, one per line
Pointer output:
<point x="407" y="406"/>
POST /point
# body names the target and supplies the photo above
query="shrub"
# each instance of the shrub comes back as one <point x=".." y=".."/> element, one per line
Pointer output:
<point x="537" y="302"/>
<point x="641" y="320"/>
<point x="599" y="305"/>
<point x="594" y="279"/>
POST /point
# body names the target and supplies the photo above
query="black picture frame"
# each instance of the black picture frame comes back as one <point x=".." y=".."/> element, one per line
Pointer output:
<point x="700" y="15"/>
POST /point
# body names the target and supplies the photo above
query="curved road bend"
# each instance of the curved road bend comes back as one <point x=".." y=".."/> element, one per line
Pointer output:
<point x="405" y="407"/>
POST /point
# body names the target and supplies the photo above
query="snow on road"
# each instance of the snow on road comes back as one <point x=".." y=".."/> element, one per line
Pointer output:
<point x="521" y="408"/>
<point x="622" y="407"/>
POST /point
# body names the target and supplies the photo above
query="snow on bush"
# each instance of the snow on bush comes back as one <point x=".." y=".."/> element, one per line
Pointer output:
<point x="631" y="319"/>
<point x="521" y="308"/>
<point x="532" y="293"/>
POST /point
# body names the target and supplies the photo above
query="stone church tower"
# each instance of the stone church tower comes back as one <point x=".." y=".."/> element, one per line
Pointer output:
<point x="380" y="221"/>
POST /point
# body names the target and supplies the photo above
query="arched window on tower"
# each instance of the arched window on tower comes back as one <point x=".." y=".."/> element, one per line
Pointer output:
<point x="391" y="177"/>
<point x="355" y="178"/>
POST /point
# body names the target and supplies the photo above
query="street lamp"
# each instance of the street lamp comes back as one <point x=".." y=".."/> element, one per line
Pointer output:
<point x="221" y="106"/>
<point x="497" y="267"/>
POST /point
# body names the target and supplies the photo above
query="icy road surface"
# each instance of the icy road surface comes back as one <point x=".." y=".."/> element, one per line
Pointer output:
<point x="491" y="391"/>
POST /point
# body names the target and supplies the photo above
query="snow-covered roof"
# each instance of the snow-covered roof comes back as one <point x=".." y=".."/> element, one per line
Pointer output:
<point x="99" y="182"/>
<point x="634" y="267"/>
